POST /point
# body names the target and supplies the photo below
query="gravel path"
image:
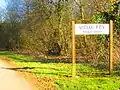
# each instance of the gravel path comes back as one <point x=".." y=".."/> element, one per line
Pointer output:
<point x="11" y="80"/>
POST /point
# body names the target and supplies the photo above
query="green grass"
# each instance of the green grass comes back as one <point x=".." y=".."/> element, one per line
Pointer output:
<point x="89" y="78"/>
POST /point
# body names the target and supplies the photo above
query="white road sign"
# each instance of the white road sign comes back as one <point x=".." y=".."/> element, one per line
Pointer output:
<point x="87" y="29"/>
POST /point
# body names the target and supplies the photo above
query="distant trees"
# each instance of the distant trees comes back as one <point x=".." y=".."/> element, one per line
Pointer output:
<point x="43" y="27"/>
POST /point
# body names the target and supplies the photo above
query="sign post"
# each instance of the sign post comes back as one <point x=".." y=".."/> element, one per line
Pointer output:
<point x="92" y="29"/>
<point x="73" y="50"/>
<point x="111" y="48"/>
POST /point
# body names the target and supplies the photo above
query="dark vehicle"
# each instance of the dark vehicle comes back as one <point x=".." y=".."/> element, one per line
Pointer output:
<point x="55" y="51"/>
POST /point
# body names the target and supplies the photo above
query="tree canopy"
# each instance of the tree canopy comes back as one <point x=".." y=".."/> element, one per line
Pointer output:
<point x="41" y="27"/>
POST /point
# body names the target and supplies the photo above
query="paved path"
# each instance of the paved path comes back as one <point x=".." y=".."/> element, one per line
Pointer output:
<point x="11" y="80"/>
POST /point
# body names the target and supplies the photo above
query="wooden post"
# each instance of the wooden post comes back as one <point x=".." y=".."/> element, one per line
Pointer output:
<point x="111" y="48"/>
<point x="73" y="50"/>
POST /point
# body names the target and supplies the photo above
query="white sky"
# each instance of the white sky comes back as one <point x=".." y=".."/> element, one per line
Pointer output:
<point x="2" y="3"/>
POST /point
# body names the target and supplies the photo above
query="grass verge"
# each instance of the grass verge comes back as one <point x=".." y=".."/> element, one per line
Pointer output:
<point x="53" y="75"/>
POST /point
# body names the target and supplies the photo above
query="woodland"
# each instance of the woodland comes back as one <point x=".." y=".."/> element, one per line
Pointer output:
<point x="43" y="28"/>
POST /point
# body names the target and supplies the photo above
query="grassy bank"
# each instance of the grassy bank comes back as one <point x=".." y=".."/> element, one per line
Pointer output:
<point x="59" y="74"/>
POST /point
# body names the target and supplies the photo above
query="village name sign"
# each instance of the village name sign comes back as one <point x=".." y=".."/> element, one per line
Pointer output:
<point x="81" y="29"/>
<point x="92" y="29"/>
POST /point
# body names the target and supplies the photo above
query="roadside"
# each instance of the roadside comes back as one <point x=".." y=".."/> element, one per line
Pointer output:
<point x="36" y="83"/>
<point x="11" y="80"/>
<point x="54" y="75"/>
